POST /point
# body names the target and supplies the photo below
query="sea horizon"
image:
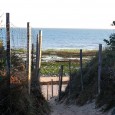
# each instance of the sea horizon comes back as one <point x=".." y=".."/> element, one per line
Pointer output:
<point x="59" y="38"/>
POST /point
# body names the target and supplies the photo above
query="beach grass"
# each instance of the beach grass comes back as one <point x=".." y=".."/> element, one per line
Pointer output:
<point x="59" y="52"/>
<point x="68" y="52"/>
<point x="51" y="67"/>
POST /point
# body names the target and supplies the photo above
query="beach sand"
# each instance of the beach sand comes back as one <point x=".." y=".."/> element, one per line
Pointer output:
<point x="62" y="109"/>
<point x="47" y="82"/>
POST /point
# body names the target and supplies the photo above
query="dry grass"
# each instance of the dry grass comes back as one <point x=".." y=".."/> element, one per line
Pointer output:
<point x="18" y="101"/>
<point x="69" y="52"/>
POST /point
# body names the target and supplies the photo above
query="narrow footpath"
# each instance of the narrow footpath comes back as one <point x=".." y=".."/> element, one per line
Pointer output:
<point x="62" y="109"/>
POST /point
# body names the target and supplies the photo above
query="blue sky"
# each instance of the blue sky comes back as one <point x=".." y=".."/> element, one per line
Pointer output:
<point x="59" y="13"/>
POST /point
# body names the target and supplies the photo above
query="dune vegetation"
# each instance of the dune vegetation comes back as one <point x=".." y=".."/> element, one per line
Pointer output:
<point x="106" y="98"/>
<point x="14" y="97"/>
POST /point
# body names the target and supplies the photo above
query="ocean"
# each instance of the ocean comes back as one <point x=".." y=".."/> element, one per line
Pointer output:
<point x="59" y="38"/>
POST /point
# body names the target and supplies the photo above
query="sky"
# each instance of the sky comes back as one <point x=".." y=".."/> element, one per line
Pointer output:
<point x="59" y="13"/>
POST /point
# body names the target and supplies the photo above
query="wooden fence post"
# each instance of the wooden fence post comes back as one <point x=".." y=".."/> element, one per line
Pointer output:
<point x="52" y="86"/>
<point x="32" y="56"/>
<point x="38" y="53"/>
<point x="81" y="69"/>
<point x="60" y="81"/>
<point x="37" y="57"/>
<point x="40" y="49"/>
<point x="8" y="56"/>
<point x="69" y="77"/>
<point x="47" y="91"/>
<point x="99" y="68"/>
<point x="29" y="56"/>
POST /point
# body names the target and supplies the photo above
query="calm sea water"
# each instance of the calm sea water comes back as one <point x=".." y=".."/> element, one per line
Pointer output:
<point x="60" y="38"/>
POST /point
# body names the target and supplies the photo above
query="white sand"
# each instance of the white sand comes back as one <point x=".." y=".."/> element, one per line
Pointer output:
<point x="55" y="87"/>
<point x="61" y="109"/>
<point x="55" y="90"/>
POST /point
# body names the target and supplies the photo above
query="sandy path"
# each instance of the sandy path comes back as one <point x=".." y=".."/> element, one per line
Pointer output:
<point x="55" y="90"/>
<point x="61" y="109"/>
<point x="55" y="87"/>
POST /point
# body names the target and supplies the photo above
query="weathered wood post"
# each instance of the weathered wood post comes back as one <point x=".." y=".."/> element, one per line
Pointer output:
<point x="32" y="56"/>
<point x="40" y="49"/>
<point x="38" y="53"/>
<point x="52" y="86"/>
<point x="69" y="77"/>
<point x="29" y="56"/>
<point x="8" y="56"/>
<point x="37" y="70"/>
<point x="60" y="81"/>
<point x="81" y="69"/>
<point x="47" y="91"/>
<point x="99" y="68"/>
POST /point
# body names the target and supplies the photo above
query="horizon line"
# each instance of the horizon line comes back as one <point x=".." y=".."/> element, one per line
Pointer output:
<point x="62" y="27"/>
